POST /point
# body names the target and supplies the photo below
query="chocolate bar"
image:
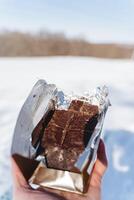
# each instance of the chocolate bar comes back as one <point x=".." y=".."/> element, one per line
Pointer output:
<point x="68" y="133"/>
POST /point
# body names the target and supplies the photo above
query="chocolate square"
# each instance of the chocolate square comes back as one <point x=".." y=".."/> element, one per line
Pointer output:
<point x="75" y="105"/>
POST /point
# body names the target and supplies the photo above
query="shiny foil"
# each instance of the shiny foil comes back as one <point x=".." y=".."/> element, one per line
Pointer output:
<point x="35" y="107"/>
<point x="58" y="179"/>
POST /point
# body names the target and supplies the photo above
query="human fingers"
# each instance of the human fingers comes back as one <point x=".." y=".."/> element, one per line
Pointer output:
<point x="99" y="167"/>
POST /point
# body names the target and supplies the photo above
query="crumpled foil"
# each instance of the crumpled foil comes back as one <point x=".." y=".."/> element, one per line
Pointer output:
<point x="36" y="106"/>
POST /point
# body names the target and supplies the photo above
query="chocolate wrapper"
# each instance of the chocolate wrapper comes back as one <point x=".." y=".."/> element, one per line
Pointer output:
<point x="41" y="99"/>
<point x="58" y="179"/>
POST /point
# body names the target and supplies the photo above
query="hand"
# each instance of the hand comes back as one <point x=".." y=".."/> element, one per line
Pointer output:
<point x="22" y="191"/>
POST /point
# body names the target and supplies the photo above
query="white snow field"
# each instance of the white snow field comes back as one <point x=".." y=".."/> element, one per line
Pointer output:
<point x="77" y="74"/>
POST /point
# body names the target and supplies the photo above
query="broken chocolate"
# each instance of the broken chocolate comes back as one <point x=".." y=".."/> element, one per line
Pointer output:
<point x="68" y="133"/>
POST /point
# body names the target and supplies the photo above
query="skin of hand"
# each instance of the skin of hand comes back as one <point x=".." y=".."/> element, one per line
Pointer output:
<point x="22" y="191"/>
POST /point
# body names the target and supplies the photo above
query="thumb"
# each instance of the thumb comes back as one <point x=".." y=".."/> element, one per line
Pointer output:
<point x="100" y="166"/>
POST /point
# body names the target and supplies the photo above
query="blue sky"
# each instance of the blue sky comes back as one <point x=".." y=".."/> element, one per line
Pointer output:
<point x="96" y="20"/>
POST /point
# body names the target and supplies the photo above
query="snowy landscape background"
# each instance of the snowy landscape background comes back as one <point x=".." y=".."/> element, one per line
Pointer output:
<point x="77" y="74"/>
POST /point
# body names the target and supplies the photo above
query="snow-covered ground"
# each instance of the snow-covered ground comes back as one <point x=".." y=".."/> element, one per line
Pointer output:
<point x="17" y="77"/>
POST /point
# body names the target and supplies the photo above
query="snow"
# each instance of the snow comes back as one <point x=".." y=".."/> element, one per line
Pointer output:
<point x="75" y="74"/>
<point x="117" y="156"/>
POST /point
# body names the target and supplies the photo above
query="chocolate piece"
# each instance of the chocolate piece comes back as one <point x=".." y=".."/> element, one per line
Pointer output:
<point x="89" y="109"/>
<point x="75" y="105"/>
<point x="60" y="158"/>
<point x="68" y="133"/>
<point x="55" y="131"/>
<point x="61" y="117"/>
<point x="71" y="155"/>
<point x="53" y="135"/>
<point x="74" y="138"/>
<point x="55" y="157"/>
<point x="83" y="107"/>
<point x="78" y="121"/>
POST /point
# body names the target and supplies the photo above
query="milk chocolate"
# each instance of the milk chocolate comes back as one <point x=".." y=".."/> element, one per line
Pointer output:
<point x="68" y="133"/>
<point x="83" y="107"/>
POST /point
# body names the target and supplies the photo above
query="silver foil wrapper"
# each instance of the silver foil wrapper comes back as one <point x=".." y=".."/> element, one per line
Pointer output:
<point x="36" y="106"/>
